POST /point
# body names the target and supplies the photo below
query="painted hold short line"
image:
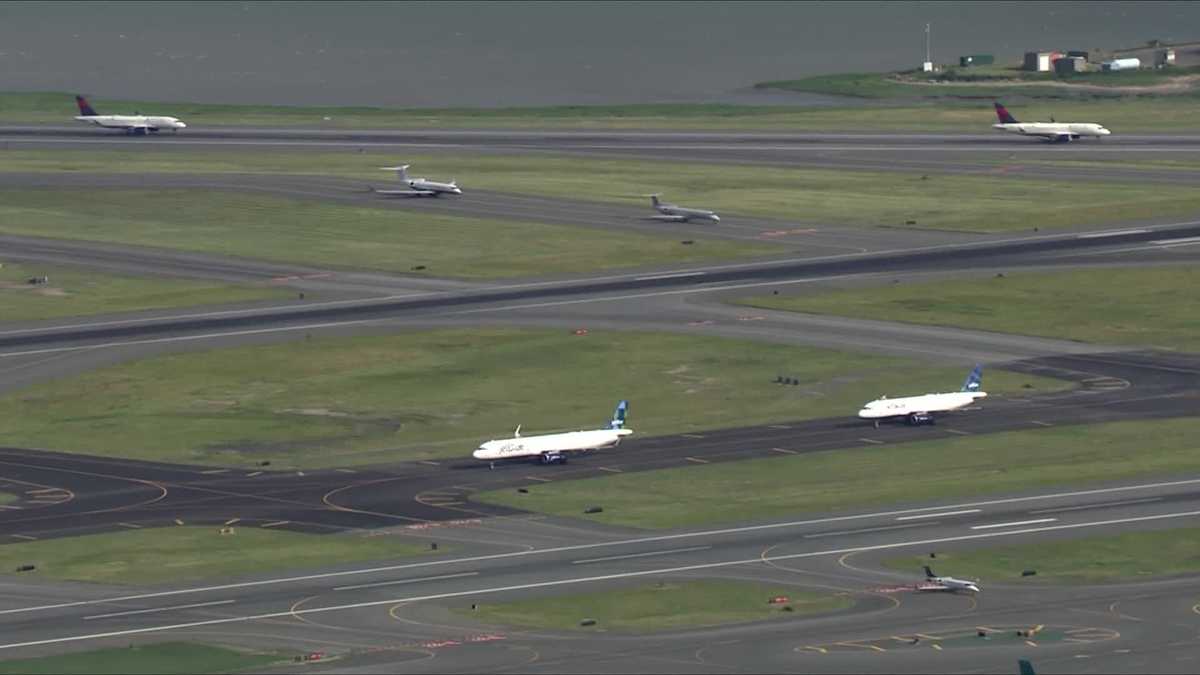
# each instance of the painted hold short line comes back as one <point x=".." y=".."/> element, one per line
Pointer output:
<point x="962" y="512"/>
<point x="640" y="555"/>
<point x="1014" y="524"/>
<point x="398" y="582"/>
<point x="159" y="609"/>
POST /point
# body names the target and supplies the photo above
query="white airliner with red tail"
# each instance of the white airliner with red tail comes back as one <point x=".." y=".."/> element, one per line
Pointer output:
<point x="134" y="125"/>
<point x="1055" y="132"/>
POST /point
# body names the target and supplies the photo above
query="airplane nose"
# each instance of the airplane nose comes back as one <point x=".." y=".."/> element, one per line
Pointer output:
<point x="864" y="413"/>
<point x="180" y="125"/>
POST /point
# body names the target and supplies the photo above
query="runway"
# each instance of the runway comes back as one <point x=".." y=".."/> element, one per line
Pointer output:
<point x="398" y="614"/>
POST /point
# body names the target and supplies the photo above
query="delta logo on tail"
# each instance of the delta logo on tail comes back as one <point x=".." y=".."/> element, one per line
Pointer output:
<point x="134" y="125"/>
<point x="1052" y="131"/>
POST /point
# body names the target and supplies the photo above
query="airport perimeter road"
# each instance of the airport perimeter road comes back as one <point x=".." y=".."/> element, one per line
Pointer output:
<point x="398" y="604"/>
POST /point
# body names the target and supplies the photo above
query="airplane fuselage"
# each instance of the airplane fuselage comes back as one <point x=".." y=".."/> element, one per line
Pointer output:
<point x="134" y="123"/>
<point x="422" y="185"/>
<point x="685" y="214"/>
<point x="1055" y="131"/>
<point x="534" y="446"/>
<point x="883" y="408"/>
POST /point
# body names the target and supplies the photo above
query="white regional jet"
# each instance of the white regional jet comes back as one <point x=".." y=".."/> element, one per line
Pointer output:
<point x="935" y="583"/>
<point x="1055" y="132"/>
<point x="679" y="213"/>
<point x="553" y="448"/>
<point x="134" y="125"/>
<point x="917" y="410"/>
<point x="417" y="187"/>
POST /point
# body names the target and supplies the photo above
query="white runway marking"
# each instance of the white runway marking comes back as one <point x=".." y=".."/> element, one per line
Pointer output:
<point x="584" y="580"/>
<point x="940" y="514"/>
<point x="677" y="275"/>
<point x="1111" y="233"/>
<point x="159" y="609"/>
<point x="623" y="542"/>
<point x="639" y="555"/>
<point x="1014" y="524"/>
<point x="1097" y="506"/>
<point x="866" y="529"/>
<point x="397" y="582"/>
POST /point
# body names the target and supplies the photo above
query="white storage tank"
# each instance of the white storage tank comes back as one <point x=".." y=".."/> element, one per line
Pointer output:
<point x="1122" y="64"/>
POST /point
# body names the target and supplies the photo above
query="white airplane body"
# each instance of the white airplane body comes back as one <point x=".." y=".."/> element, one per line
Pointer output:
<point x="919" y="409"/>
<point x="139" y="125"/>
<point x="946" y="584"/>
<point x="553" y="448"/>
<point x="681" y="214"/>
<point x="1055" y="132"/>
<point x="418" y="187"/>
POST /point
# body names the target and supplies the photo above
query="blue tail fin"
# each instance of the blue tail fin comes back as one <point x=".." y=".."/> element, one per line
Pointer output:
<point x="974" y="381"/>
<point x="618" y="418"/>
<point x="1026" y="667"/>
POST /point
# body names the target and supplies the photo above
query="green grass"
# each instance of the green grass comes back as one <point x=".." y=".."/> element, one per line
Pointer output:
<point x="75" y="292"/>
<point x="189" y="553"/>
<point x="841" y="480"/>
<point x="165" y="658"/>
<point x="816" y="196"/>
<point x="7" y="497"/>
<point x="440" y="393"/>
<point x="985" y="82"/>
<point x="1150" y="306"/>
<point x="1122" y="558"/>
<point x="660" y="606"/>
<point x="300" y="231"/>
<point x="1128" y="114"/>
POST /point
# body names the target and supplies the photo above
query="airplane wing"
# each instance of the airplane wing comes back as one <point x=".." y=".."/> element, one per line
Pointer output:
<point x="404" y="193"/>
<point x="670" y="219"/>
<point x="931" y="586"/>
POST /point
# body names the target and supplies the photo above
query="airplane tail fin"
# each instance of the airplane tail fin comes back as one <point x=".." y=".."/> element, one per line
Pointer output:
<point x="618" y="418"/>
<point x="1026" y="667"/>
<point x="1005" y="117"/>
<point x="929" y="572"/>
<point x="85" y="108"/>
<point x="401" y="171"/>
<point x="974" y="380"/>
<point x="654" y="200"/>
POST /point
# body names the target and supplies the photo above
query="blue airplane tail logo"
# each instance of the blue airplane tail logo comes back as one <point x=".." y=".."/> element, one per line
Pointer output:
<point x="975" y="380"/>
<point x="618" y="418"/>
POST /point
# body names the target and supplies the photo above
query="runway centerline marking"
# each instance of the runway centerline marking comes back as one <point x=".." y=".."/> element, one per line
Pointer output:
<point x="159" y="609"/>
<point x="676" y="275"/>
<point x="647" y="554"/>
<point x="1014" y="523"/>
<point x="397" y="582"/>
<point x="871" y="441"/>
<point x="885" y="528"/>
<point x="591" y="579"/>
<point x="1111" y="233"/>
<point x="606" y="544"/>
<point x="1097" y="506"/>
<point x="940" y="514"/>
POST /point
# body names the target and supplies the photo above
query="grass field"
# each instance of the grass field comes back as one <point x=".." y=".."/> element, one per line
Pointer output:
<point x="1130" y="557"/>
<point x="1129" y="114"/>
<point x="74" y="292"/>
<point x="188" y="553"/>
<point x="440" y="393"/>
<point x="1150" y="306"/>
<point x="811" y="196"/>
<point x="166" y="658"/>
<point x="976" y="83"/>
<point x="299" y="231"/>
<point x="841" y="480"/>
<point x="659" y="606"/>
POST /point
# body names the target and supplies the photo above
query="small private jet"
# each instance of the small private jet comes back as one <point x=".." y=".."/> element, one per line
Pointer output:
<point x="946" y="584"/>
<point x="554" y="448"/>
<point x="134" y="125"/>
<point x="680" y="214"/>
<point x="1054" y="132"/>
<point x="417" y="187"/>
<point x="918" y="410"/>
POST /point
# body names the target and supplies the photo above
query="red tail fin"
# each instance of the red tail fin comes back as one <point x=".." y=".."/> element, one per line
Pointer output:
<point x="85" y="108"/>
<point x="1005" y="118"/>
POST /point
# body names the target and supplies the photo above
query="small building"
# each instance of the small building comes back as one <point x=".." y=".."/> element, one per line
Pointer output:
<point x="1070" y="64"/>
<point x="1078" y="53"/>
<point x="976" y="60"/>
<point x="927" y="66"/>
<point x="1041" y="62"/>
<point x="1121" y="64"/>
<point x="1164" y="57"/>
